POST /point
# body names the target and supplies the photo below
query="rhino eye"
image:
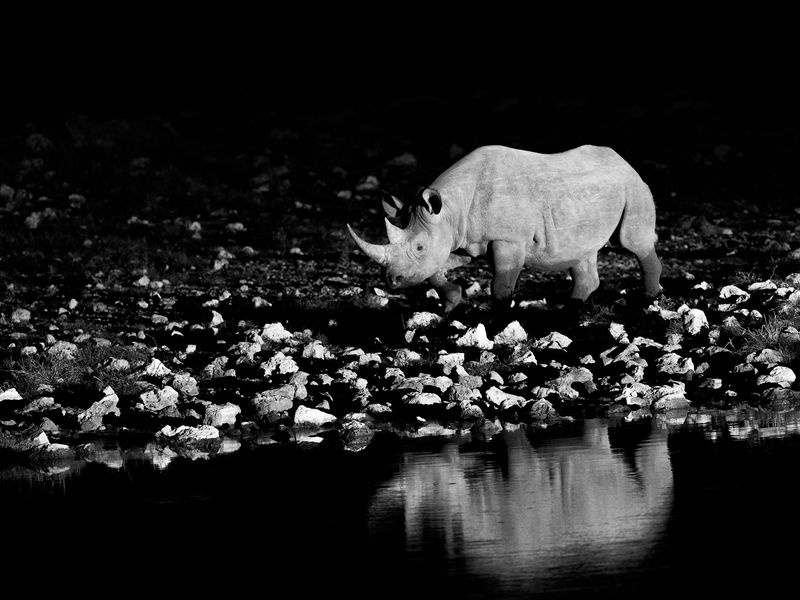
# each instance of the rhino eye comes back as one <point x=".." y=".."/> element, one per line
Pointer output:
<point x="420" y="247"/>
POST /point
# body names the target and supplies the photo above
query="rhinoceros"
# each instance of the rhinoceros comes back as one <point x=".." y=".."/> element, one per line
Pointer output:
<point x="543" y="211"/>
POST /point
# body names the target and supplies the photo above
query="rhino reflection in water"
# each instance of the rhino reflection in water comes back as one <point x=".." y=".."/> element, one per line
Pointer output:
<point x="570" y="503"/>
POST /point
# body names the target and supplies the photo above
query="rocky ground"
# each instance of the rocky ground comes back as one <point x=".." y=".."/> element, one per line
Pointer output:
<point x="184" y="278"/>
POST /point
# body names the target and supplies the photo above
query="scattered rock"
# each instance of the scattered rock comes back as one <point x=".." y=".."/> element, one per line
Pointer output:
<point x="45" y="403"/>
<point x="218" y="415"/>
<point x="92" y="418"/>
<point x="694" y="321"/>
<point x="275" y="332"/>
<point x="156" y="368"/>
<point x="768" y="356"/>
<point x="155" y="401"/>
<point x="185" y="384"/>
<point x="216" y="368"/>
<point x="10" y="394"/>
<point x="405" y="357"/>
<point x="617" y="331"/>
<point x="279" y="363"/>
<point x="542" y="410"/>
<point x="475" y="338"/>
<point x="668" y="397"/>
<point x="732" y="292"/>
<point x="273" y="405"/>
<point x="781" y="376"/>
<point x="312" y="417"/>
<point x="424" y="399"/>
<point x="63" y="350"/>
<point x="503" y="399"/>
<point x="563" y="384"/>
<point x="674" y="364"/>
<point x="187" y="435"/>
<point x="450" y="361"/>
<point x="512" y="334"/>
<point x="552" y="341"/>
<point x="317" y="351"/>
<point x="21" y="316"/>
<point x="423" y="320"/>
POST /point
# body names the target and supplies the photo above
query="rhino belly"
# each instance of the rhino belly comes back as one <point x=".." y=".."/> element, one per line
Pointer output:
<point x="571" y="231"/>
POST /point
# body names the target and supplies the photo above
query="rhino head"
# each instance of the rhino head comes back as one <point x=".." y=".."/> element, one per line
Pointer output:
<point x="420" y="249"/>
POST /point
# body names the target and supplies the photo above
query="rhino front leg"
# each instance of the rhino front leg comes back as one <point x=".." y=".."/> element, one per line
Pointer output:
<point x="508" y="258"/>
<point x="450" y="293"/>
<point x="585" y="279"/>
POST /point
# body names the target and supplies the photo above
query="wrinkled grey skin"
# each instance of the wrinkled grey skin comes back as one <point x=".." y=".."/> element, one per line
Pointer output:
<point x="543" y="211"/>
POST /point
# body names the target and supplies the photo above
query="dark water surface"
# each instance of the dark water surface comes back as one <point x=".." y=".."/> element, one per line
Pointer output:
<point x="598" y="508"/>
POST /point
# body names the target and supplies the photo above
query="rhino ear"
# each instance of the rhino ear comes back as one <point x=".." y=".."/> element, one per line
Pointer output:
<point x="432" y="201"/>
<point x="391" y="205"/>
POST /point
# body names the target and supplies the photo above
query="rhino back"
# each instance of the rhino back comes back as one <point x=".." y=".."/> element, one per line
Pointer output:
<point x="558" y="204"/>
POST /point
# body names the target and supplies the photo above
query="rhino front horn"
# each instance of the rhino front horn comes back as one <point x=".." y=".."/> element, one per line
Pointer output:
<point x="377" y="253"/>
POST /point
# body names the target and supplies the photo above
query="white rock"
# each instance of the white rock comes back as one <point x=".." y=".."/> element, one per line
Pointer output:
<point x="528" y="304"/>
<point x="405" y="357"/>
<point x="450" y="361"/>
<point x="424" y="399"/>
<point x="674" y="364"/>
<point x="552" y="341"/>
<point x="634" y="394"/>
<point x="155" y="401"/>
<point x="423" y="320"/>
<point x="473" y="289"/>
<point x="475" y="338"/>
<point x="65" y="350"/>
<point x="369" y="358"/>
<point x="526" y="358"/>
<point x="279" y="363"/>
<point x="694" y="321"/>
<point x="731" y="291"/>
<point x="768" y="356"/>
<point x="617" y="331"/>
<point x="668" y="397"/>
<point x="275" y="332"/>
<point x="498" y="397"/>
<point x="21" y="315"/>
<point x="186" y="434"/>
<point x="712" y="383"/>
<point x="512" y="334"/>
<point x="762" y="286"/>
<point x="782" y="376"/>
<point x="156" y="368"/>
<point x="216" y="319"/>
<point x="218" y="415"/>
<point x="10" y="394"/>
<point x="317" y="351"/>
<point x="563" y="383"/>
<point x="312" y="417"/>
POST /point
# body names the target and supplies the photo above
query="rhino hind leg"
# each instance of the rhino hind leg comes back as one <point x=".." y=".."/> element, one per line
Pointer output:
<point x="508" y="258"/>
<point x="585" y="278"/>
<point x="651" y="271"/>
<point x="450" y="293"/>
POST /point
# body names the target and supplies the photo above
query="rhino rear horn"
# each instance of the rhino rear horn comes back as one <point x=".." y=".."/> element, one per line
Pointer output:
<point x="380" y="254"/>
<point x="394" y="233"/>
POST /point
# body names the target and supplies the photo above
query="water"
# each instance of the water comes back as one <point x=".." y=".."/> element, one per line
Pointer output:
<point x="641" y="509"/>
